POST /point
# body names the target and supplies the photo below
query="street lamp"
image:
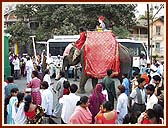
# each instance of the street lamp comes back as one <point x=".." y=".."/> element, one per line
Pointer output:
<point x="34" y="45"/>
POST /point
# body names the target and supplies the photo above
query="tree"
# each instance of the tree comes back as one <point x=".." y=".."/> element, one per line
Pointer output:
<point x="66" y="19"/>
<point x="20" y="33"/>
<point x="121" y="32"/>
<point x="145" y="16"/>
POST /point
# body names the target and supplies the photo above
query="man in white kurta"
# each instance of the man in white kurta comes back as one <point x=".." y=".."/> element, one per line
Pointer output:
<point x="122" y="104"/>
<point x="58" y="67"/>
<point x="50" y="64"/>
<point x="29" y="69"/>
<point x="47" y="99"/>
<point x="48" y="79"/>
<point x="16" y="63"/>
<point x="69" y="103"/>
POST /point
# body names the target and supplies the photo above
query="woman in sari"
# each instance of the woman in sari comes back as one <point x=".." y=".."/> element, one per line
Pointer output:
<point x="35" y="88"/>
<point x="81" y="114"/>
<point x="95" y="100"/>
<point x="33" y="112"/>
<point x="106" y="115"/>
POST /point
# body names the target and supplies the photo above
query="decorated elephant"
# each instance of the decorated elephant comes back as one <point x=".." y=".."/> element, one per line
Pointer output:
<point x="125" y="65"/>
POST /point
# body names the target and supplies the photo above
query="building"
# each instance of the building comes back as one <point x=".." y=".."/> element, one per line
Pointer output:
<point x="10" y="19"/>
<point x="157" y="36"/>
<point x="140" y="32"/>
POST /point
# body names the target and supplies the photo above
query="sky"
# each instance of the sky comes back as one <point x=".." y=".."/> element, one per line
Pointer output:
<point x="142" y="7"/>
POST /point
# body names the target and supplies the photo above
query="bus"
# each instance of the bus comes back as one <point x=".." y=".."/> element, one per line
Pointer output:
<point x="57" y="46"/>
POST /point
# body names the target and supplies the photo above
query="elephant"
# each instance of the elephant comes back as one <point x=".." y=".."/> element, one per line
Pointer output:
<point x="125" y="65"/>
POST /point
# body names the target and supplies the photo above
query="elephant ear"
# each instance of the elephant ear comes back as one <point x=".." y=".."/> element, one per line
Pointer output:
<point x="124" y="53"/>
<point x="71" y="52"/>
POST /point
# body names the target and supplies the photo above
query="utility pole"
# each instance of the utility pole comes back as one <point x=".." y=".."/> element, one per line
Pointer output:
<point x="34" y="48"/>
<point x="151" y="32"/>
<point x="153" y="16"/>
<point x="148" y="31"/>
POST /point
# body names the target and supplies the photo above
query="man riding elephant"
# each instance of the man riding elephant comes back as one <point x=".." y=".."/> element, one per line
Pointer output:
<point x="80" y="42"/>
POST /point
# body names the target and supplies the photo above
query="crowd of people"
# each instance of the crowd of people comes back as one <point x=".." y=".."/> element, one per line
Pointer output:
<point x="24" y="65"/>
<point x="139" y="101"/>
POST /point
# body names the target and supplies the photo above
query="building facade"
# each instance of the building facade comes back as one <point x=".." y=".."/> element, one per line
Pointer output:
<point x="157" y="40"/>
<point x="157" y="36"/>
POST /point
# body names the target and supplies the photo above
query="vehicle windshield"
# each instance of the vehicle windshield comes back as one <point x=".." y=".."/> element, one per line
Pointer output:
<point x="135" y="48"/>
<point x="57" y="48"/>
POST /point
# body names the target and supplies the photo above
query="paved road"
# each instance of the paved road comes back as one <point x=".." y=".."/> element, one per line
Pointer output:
<point x="88" y="87"/>
<point x="22" y="84"/>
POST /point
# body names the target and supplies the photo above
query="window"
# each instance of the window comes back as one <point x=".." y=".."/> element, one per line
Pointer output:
<point x="158" y="28"/>
<point x="157" y="47"/>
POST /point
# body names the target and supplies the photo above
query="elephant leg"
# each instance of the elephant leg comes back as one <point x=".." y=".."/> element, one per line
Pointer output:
<point x="82" y="83"/>
<point x="94" y="82"/>
<point x="65" y="70"/>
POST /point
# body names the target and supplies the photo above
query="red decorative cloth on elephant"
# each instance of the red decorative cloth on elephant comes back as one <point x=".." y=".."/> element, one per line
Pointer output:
<point x="100" y="54"/>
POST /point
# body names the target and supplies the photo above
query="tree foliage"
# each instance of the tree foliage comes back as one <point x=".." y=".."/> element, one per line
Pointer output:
<point x="66" y="19"/>
<point x="121" y="32"/>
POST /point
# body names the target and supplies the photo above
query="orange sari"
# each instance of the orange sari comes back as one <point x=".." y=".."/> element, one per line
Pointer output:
<point x="100" y="118"/>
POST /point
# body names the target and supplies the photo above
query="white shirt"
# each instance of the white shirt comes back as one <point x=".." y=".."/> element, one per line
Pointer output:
<point x="143" y="62"/>
<point x="49" y="60"/>
<point x="20" y="117"/>
<point x="152" y="75"/>
<point x="122" y="105"/>
<point x="24" y="59"/>
<point x="29" y="66"/>
<point x="151" y="101"/>
<point x="134" y="96"/>
<point x="47" y="101"/>
<point x="105" y="93"/>
<point x="5" y="84"/>
<point x="47" y="79"/>
<point x="58" y="63"/>
<point x="69" y="104"/>
<point x="16" y="64"/>
<point x="161" y="69"/>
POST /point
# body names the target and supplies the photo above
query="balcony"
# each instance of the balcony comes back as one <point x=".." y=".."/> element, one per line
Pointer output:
<point x="142" y="37"/>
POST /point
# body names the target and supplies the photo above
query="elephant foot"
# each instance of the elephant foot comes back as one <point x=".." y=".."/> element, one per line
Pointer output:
<point x="81" y="91"/>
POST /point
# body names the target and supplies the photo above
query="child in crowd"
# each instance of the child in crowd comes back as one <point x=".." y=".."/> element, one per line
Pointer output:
<point x="47" y="99"/>
<point x="18" y="110"/>
<point x="12" y="101"/>
<point x="66" y="86"/>
<point x="126" y="83"/>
